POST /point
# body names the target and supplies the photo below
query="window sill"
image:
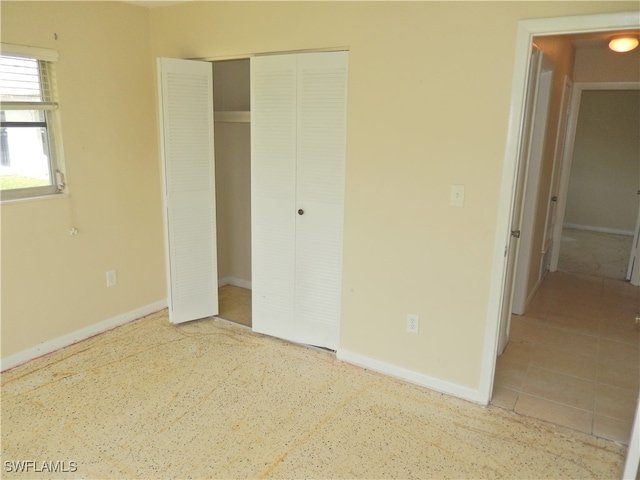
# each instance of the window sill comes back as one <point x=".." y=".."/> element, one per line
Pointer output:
<point x="51" y="196"/>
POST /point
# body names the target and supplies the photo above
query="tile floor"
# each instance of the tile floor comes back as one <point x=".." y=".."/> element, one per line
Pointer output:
<point x="235" y="304"/>
<point x="211" y="399"/>
<point x="594" y="253"/>
<point x="573" y="359"/>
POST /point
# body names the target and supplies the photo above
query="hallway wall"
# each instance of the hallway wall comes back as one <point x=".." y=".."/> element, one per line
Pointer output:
<point x="605" y="170"/>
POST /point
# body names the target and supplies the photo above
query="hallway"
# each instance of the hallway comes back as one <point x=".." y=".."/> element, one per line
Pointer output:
<point x="573" y="358"/>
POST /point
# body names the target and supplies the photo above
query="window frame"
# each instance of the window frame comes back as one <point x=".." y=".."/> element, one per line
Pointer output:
<point x="46" y="58"/>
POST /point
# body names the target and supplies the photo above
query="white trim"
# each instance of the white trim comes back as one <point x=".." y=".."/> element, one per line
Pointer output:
<point x="411" y="376"/>
<point x="246" y="56"/>
<point x="606" y="86"/>
<point x="236" y="282"/>
<point x="29" y="105"/>
<point x="50" y="196"/>
<point x="79" y="335"/>
<point x="38" y="53"/>
<point x="536" y="287"/>
<point x="527" y="29"/>
<point x="559" y="167"/>
<point x="632" y="463"/>
<point x="590" y="228"/>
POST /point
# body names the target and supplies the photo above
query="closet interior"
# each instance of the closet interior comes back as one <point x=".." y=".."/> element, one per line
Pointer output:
<point x="231" y="98"/>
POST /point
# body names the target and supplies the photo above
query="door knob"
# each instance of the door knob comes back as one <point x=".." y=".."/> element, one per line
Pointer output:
<point x="300" y="212"/>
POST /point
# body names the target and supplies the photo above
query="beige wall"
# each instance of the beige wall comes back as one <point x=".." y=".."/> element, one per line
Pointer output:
<point x="602" y="65"/>
<point x="53" y="283"/>
<point x="429" y="92"/>
<point x="605" y="170"/>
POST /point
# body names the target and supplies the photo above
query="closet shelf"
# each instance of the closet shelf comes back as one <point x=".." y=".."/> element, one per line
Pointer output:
<point x="233" y="116"/>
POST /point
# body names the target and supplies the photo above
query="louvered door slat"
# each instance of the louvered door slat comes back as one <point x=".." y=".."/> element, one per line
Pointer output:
<point x="322" y="94"/>
<point x="186" y="100"/>
<point x="273" y="141"/>
<point x="298" y="125"/>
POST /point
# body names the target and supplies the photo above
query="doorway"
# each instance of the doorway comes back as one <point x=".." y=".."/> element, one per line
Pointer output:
<point x="575" y="342"/>
<point x="601" y="209"/>
<point x="232" y="132"/>
<point x="501" y="282"/>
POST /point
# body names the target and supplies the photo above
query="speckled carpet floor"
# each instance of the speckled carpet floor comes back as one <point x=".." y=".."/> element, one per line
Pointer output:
<point x="209" y="399"/>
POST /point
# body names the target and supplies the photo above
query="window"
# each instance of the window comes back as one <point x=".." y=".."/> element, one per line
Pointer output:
<point x="29" y="160"/>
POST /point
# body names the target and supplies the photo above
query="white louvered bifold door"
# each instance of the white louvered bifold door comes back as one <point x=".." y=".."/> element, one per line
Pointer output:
<point x="298" y="122"/>
<point x="273" y="188"/>
<point x="321" y="147"/>
<point x="186" y="125"/>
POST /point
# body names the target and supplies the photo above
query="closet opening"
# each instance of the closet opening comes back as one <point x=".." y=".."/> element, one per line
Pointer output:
<point x="253" y="168"/>
<point x="232" y="134"/>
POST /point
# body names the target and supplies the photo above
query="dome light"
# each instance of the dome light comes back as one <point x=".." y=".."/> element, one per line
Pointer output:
<point x="623" y="44"/>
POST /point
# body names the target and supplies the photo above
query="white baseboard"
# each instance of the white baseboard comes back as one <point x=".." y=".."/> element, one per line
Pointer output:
<point x="410" y="376"/>
<point x="589" y="228"/>
<point x="82" y="334"/>
<point x="236" y="282"/>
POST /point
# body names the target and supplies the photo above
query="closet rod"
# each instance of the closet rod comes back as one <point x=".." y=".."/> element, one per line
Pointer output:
<point x="233" y="116"/>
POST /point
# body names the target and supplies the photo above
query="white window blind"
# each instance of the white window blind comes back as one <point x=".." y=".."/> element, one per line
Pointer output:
<point x="30" y="157"/>
<point x="25" y="84"/>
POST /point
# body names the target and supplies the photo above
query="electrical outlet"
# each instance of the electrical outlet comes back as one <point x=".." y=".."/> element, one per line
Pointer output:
<point x="111" y="278"/>
<point x="413" y="323"/>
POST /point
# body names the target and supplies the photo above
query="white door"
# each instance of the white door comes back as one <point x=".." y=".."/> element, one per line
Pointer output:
<point x="633" y="270"/>
<point x="632" y="462"/>
<point x="186" y="127"/>
<point x="511" y="250"/>
<point x="273" y="190"/>
<point x="321" y="147"/>
<point x="298" y="140"/>
<point x="532" y="163"/>
<point x="552" y="235"/>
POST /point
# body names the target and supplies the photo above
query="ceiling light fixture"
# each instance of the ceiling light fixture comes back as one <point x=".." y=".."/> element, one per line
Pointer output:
<point x="623" y="44"/>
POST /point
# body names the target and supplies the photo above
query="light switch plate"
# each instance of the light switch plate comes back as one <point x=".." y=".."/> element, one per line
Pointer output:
<point x="457" y="196"/>
<point x="111" y="278"/>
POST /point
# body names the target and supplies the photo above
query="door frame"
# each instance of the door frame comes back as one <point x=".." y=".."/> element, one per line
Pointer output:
<point x="567" y="158"/>
<point x="527" y="30"/>
<point x="549" y="244"/>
